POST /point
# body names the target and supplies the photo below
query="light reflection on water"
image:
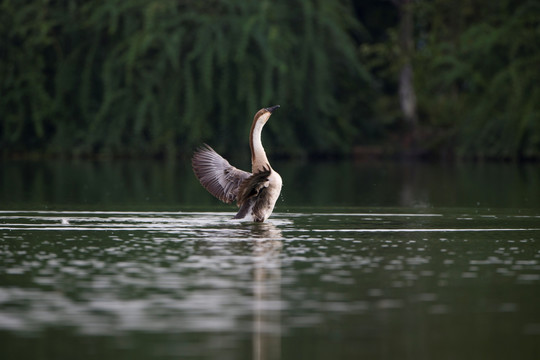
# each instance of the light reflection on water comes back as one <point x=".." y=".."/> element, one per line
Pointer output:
<point x="348" y="277"/>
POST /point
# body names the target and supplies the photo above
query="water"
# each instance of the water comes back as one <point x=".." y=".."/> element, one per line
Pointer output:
<point x="135" y="261"/>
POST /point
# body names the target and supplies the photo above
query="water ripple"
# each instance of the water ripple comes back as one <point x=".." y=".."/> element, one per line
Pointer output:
<point x="115" y="272"/>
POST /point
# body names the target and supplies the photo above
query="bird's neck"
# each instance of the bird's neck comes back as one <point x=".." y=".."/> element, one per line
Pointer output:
<point x="259" y="161"/>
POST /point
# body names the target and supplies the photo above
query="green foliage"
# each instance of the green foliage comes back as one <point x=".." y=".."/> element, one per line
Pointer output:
<point x="477" y="75"/>
<point x="161" y="76"/>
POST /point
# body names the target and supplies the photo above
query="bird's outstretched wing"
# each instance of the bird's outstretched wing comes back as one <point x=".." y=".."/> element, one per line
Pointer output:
<point x="215" y="173"/>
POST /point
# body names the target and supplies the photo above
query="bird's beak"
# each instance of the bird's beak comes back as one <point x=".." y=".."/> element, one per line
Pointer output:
<point x="272" y="108"/>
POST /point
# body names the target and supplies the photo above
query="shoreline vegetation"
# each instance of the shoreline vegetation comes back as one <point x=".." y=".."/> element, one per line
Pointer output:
<point x="399" y="79"/>
<point x="358" y="153"/>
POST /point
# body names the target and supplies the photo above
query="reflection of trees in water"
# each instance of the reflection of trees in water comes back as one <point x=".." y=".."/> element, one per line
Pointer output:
<point x="267" y="292"/>
<point x="412" y="193"/>
<point x="149" y="185"/>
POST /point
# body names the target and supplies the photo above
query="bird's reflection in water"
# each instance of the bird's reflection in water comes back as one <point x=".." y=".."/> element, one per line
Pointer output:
<point x="267" y="292"/>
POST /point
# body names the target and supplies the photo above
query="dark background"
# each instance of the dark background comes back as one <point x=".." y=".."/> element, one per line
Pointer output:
<point x="438" y="79"/>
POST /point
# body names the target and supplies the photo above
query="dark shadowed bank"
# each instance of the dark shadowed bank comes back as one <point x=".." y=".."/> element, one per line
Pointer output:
<point x="370" y="78"/>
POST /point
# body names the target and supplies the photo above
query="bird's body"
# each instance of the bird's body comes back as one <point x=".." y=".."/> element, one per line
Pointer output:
<point x="256" y="193"/>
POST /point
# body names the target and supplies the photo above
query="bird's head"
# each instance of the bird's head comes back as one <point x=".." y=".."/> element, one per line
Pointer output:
<point x="264" y="114"/>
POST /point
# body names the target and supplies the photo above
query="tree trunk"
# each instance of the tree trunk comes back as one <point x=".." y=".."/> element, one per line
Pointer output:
<point x="407" y="96"/>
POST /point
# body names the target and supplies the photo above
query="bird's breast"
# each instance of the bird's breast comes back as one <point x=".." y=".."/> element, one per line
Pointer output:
<point x="274" y="189"/>
<point x="275" y="182"/>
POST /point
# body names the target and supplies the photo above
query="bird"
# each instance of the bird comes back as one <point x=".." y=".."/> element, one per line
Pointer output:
<point x="255" y="193"/>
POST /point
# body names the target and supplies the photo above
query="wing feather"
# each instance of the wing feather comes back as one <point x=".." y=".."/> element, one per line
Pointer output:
<point x="217" y="176"/>
<point x="253" y="186"/>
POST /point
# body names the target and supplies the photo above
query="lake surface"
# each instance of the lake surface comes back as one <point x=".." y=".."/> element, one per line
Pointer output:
<point x="134" y="260"/>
